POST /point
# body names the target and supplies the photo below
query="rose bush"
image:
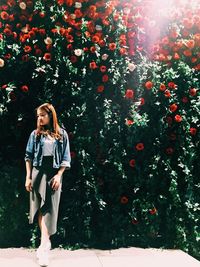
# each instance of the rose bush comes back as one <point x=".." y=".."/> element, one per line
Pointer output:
<point x="125" y="82"/>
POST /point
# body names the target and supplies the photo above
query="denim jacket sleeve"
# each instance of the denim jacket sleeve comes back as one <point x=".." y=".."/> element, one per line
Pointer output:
<point x="29" y="153"/>
<point x="66" y="159"/>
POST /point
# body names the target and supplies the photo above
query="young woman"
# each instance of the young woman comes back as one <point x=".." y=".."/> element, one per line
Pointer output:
<point x="47" y="156"/>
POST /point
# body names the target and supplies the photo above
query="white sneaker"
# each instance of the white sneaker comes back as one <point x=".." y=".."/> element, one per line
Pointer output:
<point x="42" y="254"/>
<point x="40" y="249"/>
<point x="43" y="259"/>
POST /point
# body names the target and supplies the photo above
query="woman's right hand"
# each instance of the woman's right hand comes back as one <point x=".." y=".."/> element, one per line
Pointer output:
<point x="28" y="184"/>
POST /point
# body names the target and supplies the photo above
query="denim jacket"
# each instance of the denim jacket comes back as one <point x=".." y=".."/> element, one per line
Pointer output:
<point x="61" y="150"/>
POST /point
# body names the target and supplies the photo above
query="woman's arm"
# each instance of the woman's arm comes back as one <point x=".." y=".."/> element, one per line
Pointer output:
<point x="61" y="170"/>
<point x="57" y="178"/>
<point x="66" y="160"/>
<point x="28" y="183"/>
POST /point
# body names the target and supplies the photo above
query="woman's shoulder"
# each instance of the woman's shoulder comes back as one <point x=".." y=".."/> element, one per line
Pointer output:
<point x="63" y="131"/>
<point x="33" y="132"/>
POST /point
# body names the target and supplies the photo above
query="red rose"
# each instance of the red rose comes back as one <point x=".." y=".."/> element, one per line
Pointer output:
<point x="176" y="56"/>
<point x="38" y="52"/>
<point x="27" y="49"/>
<point x="129" y="93"/>
<point x="92" y="8"/>
<point x="70" y="46"/>
<point x="78" y="13"/>
<point x="124" y="200"/>
<point x="93" y="65"/>
<point x="92" y="49"/>
<point x="69" y="2"/>
<point x="142" y="101"/>
<point x="47" y="57"/>
<point x="4" y="7"/>
<point x="194" y="59"/>
<point x="7" y="32"/>
<point x="112" y="46"/>
<point x="193" y="91"/>
<point x="49" y="47"/>
<point x="102" y="43"/>
<point x="73" y="154"/>
<point x="173" y="107"/>
<point x="25" y="58"/>
<point x="167" y="93"/>
<point x="172" y="85"/>
<point x="4" y="86"/>
<point x="42" y="15"/>
<point x="60" y="2"/>
<point x="100" y="88"/>
<point x="178" y="118"/>
<point x="184" y="99"/>
<point x="153" y="211"/>
<point x="187" y="53"/>
<point x="105" y="78"/>
<point x="134" y="221"/>
<point x="148" y="85"/>
<point x="103" y="68"/>
<point x="73" y="59"/>
<point x="169" y="151"/>
<point x="42" y="32"/>
<point x="129" y="122"/>
<point x="15" y="35"/>
<point x="85" y="49"/>
<point x="7" y="56"/>
<point x="4" y="15"/>
<point x="162" y="87"/>
<point x="140" y="146"/>
<point x="190" y="44"/>
<point x="11" y="3"/>
<point x="29" y="4"/>
<point x="24" y="88"/>
<point x="169" y="120"/>
<point x="197" y="67"/>
<point x="12" y="96"/>
<point x="132" y="163"/>
<point x="123" y="51"/>
<point x="95" y="39"/>
<point x="193" y="131"/>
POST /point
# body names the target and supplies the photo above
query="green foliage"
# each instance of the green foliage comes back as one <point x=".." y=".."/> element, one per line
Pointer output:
<point x="131" y="107"/>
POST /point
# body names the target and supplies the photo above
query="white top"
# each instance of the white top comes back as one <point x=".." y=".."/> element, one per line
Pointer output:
<point x="48" y="146"/>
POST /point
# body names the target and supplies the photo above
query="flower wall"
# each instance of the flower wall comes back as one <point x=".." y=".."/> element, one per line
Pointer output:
<point x="124" y="79"/>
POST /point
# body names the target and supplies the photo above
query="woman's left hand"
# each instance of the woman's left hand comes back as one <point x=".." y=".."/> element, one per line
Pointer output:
<point x="56" y="182"/>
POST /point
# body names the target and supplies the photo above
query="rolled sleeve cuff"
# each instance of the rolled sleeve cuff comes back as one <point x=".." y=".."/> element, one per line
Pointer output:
<point x="66" y="164"/>
<point x="28" y="156"/>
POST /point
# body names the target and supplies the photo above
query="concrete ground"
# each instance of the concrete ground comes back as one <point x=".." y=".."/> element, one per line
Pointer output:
<point x="123" y="257"/>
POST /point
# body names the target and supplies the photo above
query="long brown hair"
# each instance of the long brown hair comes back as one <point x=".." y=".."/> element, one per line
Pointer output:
<point x="54" y="129"/>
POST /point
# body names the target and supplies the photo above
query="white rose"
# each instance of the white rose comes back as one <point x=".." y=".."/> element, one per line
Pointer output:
<point x="78" y="5"/>
<point x="2" y="63"/>
<point x="98" y="27"/>
<point x="48" y="41"/>
<point x="131" y="66"/>
<point x="22" y="5"/>
<point x="25" y="29"/>
<point x="127" y="10"/>
<point x="78" y="52"/>
<point x="72" y="16"/>
<point x="104" y="56"/>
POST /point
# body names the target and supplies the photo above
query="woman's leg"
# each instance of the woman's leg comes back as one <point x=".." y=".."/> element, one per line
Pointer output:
<point x="45" y="237"/>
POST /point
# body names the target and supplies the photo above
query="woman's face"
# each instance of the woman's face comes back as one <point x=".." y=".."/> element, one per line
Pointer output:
<point x="43" y="117"/>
